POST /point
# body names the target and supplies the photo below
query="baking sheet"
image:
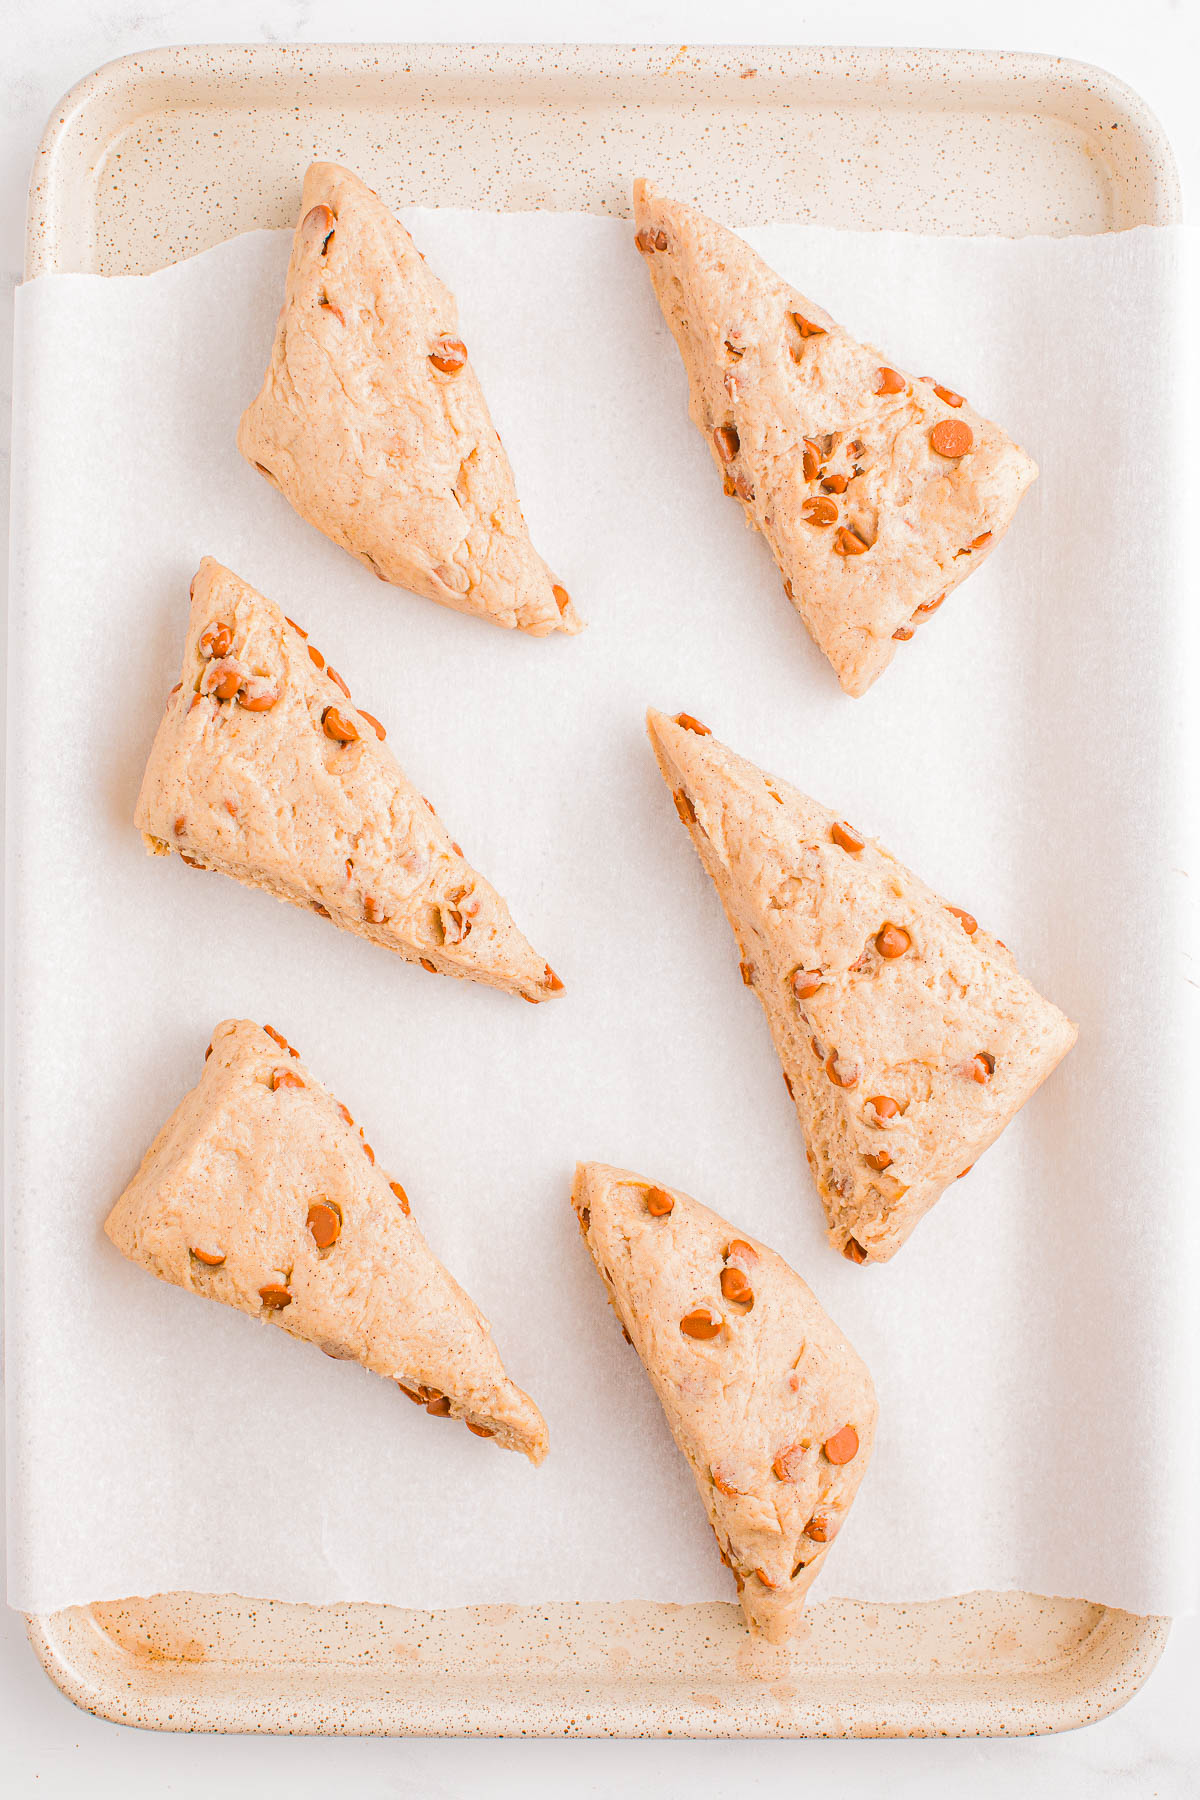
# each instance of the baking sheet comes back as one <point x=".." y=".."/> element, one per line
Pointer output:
<point x="1028" y="755"/>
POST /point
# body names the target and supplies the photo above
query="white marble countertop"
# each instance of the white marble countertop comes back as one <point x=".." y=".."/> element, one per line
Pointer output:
<point x="1152" y="1747"/>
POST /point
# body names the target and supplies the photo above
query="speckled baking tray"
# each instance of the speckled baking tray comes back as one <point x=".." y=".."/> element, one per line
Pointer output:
<point x="158" y="156"/>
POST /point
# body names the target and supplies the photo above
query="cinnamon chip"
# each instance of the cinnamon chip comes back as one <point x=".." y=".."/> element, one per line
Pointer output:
<point x="325" y="1223"/>
<point x="728" y="443"/>
<point x="846" y="837"/>
<point x="700" y="1324"/>
<point x="951" y="437"/>
<point x="806" y="327"/>
<point x="842" y="1447"/>
<point x="846" y="542"/>
<point x="819" y="510"/>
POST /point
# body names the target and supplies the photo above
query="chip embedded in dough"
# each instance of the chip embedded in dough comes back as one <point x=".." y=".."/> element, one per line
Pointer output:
<point x="878" y="491"/>
<point x="263" y="769"/>
<point x="770" y="1405"/>
<point x="372" y="422"/>
<point x="261" y="1192"/>
<point x="908" y="1036"/>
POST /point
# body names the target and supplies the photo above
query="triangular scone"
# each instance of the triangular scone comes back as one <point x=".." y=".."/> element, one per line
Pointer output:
<point x="877" y="491"/>
<point x="771" y="1406"/>
<point x="263" y="769"/>
<point x="907" y="1035"/>
<point x="372" y="421"/>
<point x="259" y="1191"/>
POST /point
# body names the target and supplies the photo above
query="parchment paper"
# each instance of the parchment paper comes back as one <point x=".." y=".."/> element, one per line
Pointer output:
<point x="1031" y="754"/>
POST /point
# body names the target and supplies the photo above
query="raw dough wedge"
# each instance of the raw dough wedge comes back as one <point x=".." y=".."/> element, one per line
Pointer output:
<point x="908" y="1036"/>
<point x="260" y="1192"/>
<point x="263" y="769"/>
<point x="877" y="490"/>
<point x="771" y="1406"/>
<point x="372" y="422"/>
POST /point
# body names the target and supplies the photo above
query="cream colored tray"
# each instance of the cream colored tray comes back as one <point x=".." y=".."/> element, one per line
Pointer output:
<point x="158" y="156"/>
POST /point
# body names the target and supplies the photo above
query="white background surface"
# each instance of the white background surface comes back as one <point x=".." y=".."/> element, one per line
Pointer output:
<point x="48" y="1747"/>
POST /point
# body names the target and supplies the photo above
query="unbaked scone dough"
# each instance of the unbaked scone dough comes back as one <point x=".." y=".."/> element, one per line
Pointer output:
<point x="907" y="1034"/>
<point x="372" y="422"/>
<point x="771" y="1406"/>
<point x="877" y="490"/>
<point x="263" y="769"/>
<point x="259" y="1191"/>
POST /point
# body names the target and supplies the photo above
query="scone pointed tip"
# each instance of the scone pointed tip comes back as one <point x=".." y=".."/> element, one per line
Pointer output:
<point x="537" y="1450"/>
<point x="208" y="570"/>
<point x="585" y="1174"/>
<point x="569" y="620"/>
<point x="320" y="171"/>
<point x="548" y="986"/>
<point x="324" y="180"/>
<point x="661" y="722"/>
<point x="662" y="725"/>
<point x="679" y="741"/>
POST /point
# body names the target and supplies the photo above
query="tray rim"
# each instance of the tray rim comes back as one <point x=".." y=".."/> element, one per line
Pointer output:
<point x="130" y="77"/>
<point x="139" y="70"/>
<point x="1114" y="1658"/>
